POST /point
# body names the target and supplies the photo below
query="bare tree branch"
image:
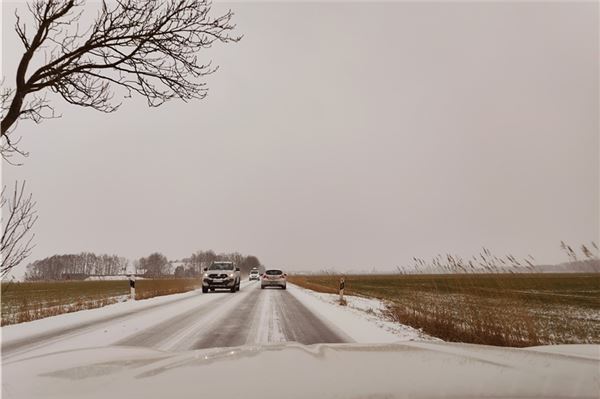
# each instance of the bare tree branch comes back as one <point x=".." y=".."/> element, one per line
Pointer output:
<point x="8" y="146"/>
<point x="18" y="218"/>
<point x="148" y="47"/>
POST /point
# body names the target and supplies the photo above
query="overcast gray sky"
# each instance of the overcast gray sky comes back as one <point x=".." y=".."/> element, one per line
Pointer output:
<point x="341" y="135"/>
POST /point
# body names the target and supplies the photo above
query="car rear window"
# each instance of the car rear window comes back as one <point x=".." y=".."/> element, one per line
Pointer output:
<point x="274" y="272"/>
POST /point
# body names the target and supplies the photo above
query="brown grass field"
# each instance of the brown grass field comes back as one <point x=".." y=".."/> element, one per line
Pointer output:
<point x="35" y="300"/>
<point x="495" y="309"/>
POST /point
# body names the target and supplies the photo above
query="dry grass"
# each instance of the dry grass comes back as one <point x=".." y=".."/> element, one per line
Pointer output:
<point x="35" y="300"/>
<point x="495" y="309"/>
<point x="158" y="287"/>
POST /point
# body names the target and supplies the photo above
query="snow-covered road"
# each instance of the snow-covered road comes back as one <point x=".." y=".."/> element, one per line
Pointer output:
<point x="147" y="349"/>
<point x="196" y="321"/>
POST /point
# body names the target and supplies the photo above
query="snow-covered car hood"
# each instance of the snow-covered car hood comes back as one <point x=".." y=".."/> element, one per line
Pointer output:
<point x="422" y="369"/>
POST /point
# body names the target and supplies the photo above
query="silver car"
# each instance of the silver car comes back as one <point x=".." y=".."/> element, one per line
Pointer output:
<point x="221" y="274"/>
<point x="273" y="278"/>
<point x="254" y="275"/>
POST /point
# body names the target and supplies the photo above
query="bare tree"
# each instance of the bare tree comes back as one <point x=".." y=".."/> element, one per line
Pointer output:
<point x="147" y="47"/>
<point x="155" y="265"/>
<point x="18" y="217"/>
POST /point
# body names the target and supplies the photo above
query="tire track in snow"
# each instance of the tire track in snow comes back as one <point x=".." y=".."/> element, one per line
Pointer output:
<point x="158" y="335"/>
<point x="299" y="324"/>
<point x="231" y="328"/>
<point x="266" y="317"/>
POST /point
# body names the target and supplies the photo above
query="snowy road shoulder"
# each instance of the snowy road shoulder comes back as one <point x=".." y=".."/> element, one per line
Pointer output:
<point x="97" y="327"/>
<point x="362" y="319"/>
<point x="49" y="325"/>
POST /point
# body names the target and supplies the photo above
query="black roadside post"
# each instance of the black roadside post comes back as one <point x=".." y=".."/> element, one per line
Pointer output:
<point x="132" y="286"/>
<point x="342" y="286"/>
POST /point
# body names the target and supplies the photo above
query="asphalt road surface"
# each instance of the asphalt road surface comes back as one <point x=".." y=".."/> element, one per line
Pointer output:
<point x="218" y="319"/>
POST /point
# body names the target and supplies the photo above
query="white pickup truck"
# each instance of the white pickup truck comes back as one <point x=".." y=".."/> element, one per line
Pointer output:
<point x="221" y="275"/>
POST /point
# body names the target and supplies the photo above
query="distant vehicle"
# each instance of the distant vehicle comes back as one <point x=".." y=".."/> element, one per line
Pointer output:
<point x="254" y="275"/>
<point x="222" y="275"/>
<point x="274" y="277"/>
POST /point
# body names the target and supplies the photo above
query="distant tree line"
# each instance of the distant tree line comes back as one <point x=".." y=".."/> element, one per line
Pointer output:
<point x="74" y="266"/>
<point x="86" y="264"/>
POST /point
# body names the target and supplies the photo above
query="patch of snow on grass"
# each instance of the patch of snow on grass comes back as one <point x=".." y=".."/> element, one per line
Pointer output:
<point x="362" y="319"/>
